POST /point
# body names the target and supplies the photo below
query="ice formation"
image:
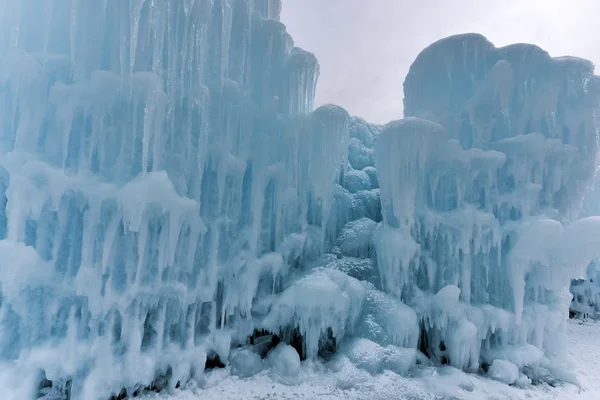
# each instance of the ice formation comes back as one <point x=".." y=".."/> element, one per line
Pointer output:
<point x="504" y="371"/>
<point x="478" y="182"/>
<point x="169" y="195"/>
<point x="162" y="168"/>
<point x="586" y="287"/>
<point x="285" y="361"/>
<point x="586" y="293"/>
<point x="246" y="363"/>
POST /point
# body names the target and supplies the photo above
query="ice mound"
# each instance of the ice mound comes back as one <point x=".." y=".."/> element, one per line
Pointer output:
<point x="387" y="321"/>
<point x="374" y="358"/>
<point x="325" y="302"/>
<point x="359" y="155"/>
<point x="504" y="371"/>
<point x="363" y="269"/>
<point x="245" y="363"/>
<point x="355" y="238"/>
<point x="355" y="181"/>
<point x="285" y="361"/>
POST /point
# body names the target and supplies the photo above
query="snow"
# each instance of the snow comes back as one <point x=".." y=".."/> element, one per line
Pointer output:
<point x="170" y="200"/>
<point x="341" y="379"/>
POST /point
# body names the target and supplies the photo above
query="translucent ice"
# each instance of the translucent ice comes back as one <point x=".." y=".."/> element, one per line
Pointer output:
<point x="325" y="300"/>
<point x="245" y="363"/>
<point x="374" y="358"/>
<point x="166" y="189"/>
<point x="285" y="361"/>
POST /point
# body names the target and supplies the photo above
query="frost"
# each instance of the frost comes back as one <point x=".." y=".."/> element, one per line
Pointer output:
<point x="355" y="181"/>
<point x="363" y="269"/>
<point x="355" y="238"/>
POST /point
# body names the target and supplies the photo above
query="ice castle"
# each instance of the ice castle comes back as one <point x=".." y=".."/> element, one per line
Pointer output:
<point x="168" y="192"/>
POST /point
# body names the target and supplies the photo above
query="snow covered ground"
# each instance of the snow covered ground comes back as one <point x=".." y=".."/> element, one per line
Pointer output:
<point x="319" y="382"/>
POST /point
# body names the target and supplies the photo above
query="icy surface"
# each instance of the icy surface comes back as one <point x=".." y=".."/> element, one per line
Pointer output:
<point x="373" y="358"/>
<point x="284" y="360"/>
<point x="504" y="371"/>
<point x="586" y="293"/>
<point x="355" y="238"/>
<point x="321" y="302"/>
<point x="387" y="321"/>
<point x="168" y="196"/>
<point x="246" y="363"/>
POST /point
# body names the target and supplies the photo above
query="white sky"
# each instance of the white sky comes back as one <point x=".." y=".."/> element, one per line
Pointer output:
<point x="366" y="46"/>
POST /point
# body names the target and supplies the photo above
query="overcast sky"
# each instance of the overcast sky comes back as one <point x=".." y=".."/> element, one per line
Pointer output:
<point x="366" y="46"/>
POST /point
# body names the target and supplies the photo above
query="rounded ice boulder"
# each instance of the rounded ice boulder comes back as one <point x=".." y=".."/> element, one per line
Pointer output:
<point x="284" y="360"/>
<point x="504" y="371"/>
<point x="355" y="238"/>
<point x="372" y="173"/>
<point x="359" y="156"/>
<point x="388" y="321"/>
<point x="373" y="358"/>
<point x="357" y="180"/>
<point x="245" y="363"/>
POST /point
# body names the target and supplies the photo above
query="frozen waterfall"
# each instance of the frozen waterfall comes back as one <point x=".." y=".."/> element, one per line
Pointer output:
<point x="168" y="193"/>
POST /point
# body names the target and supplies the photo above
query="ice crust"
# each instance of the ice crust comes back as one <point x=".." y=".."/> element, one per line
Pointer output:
<point x="167" y="190"/>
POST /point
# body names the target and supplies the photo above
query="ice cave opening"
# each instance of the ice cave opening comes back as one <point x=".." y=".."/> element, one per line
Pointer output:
<point x="170" y="200"/>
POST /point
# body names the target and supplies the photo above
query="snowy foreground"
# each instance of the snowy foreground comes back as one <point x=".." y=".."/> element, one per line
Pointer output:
<point x="429" y="383"/>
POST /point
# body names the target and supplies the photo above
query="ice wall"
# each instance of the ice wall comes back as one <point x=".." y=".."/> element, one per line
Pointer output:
<point x="166" y="191"/>
<point x="161" y="169"/>
<point x="477" y="183"/>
